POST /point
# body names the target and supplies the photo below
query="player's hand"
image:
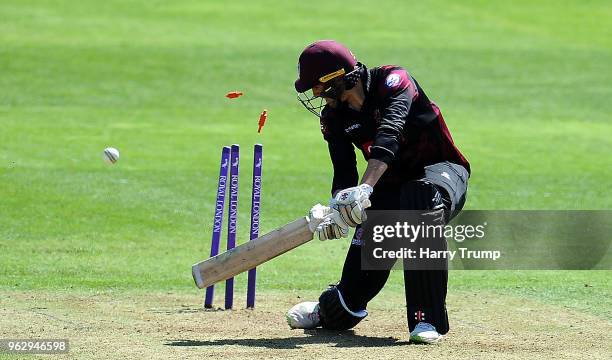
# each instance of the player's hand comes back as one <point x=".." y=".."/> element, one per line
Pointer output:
<point x="317" y="215"/>
<point x="350" y="204"/>
<point x="326" y="224"/>
<point x="329" y="230"/>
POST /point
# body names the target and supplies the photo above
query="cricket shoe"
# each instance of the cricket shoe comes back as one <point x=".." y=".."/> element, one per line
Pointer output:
<point x="304" y="315"/>
<point x="424" y="333"/>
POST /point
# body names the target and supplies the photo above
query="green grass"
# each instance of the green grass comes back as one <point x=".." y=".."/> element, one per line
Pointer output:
<point x="524" y="87"/>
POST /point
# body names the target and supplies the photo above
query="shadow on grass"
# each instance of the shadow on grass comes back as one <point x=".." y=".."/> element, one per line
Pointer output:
<point x="343" y="339"/>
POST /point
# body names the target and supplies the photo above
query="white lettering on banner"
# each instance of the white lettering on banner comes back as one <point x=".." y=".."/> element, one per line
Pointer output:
<point x="256" y="198"/>
<point x="233" y="215"/>
<point x="219" y="206"/>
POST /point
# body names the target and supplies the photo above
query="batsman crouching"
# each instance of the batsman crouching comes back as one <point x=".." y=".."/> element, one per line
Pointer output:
<point x="413" y="164"/>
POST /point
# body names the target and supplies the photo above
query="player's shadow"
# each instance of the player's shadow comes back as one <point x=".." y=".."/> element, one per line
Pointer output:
<point x="343" y="339"/>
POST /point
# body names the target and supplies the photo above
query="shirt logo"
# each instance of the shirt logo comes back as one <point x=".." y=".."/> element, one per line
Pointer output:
<point x="352" y="127"/>
<point x="392" y="80"/>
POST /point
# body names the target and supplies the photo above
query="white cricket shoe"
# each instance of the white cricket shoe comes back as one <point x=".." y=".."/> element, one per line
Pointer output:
<point x="424" y="333"/>
<point x="304" y="315"/>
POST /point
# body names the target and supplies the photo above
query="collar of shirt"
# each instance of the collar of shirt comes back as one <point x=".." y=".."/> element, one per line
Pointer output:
<point x="366" y="80"/>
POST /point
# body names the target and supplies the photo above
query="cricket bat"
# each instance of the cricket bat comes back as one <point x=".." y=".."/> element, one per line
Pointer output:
<point x="252" y="253"/>
<point x="256" y="252"/>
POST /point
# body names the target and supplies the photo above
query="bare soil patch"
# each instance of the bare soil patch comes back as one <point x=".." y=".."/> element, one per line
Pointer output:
<point x="131" y="325"/>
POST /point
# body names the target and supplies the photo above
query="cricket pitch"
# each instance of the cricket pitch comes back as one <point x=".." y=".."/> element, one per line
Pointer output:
<point x="143" y="325"/>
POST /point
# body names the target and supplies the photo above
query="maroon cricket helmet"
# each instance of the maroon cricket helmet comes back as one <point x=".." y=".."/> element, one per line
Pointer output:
<point x="322" y="61"/>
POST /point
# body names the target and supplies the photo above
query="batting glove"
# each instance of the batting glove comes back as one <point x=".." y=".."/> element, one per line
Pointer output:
<point x="329" y="230"/>
<point x="349" y="204"/>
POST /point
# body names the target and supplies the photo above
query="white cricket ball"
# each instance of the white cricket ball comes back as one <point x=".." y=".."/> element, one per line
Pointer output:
<point x="111" y="155"/>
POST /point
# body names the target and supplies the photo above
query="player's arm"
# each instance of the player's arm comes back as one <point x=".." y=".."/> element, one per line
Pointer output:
<point x="389" y="132"/>
<point x="344" y="161"/>
<point x="397" y="92"/>
<point x="373" y="172"/>
<point x="341" y="153"/>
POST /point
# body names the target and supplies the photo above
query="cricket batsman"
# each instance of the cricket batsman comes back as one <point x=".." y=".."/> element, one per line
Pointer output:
<point x="412" y="164"/>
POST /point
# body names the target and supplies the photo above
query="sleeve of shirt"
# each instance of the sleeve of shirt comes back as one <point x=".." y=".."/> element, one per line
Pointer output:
<point x="397" y="92"/>
<point x="343" y="158"/>
<point x="342" y="154"/>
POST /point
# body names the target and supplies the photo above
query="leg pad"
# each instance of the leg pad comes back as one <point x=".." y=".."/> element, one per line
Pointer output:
<point x="334" y="313"/>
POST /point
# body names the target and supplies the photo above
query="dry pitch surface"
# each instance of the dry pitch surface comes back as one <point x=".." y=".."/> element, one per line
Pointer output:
<point x="172" y="326"/>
